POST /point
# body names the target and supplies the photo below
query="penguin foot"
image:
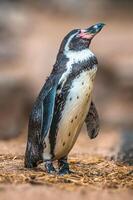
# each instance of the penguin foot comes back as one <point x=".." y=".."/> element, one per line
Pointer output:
<point x="49" y="167"/>
<point x="64" y="171"/>
<point x="63" y="167"/>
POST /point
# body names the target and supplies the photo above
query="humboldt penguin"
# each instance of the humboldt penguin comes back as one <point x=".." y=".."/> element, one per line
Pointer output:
<point x="64" y="103"/>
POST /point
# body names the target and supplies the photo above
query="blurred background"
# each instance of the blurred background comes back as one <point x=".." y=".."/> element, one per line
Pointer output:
<point x="30" y="36"/>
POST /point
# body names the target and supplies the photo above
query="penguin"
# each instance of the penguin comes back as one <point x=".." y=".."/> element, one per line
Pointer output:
<point x="64" y="103"/>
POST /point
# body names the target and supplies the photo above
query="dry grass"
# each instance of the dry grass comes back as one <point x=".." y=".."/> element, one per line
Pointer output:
<point x="88" y="170"/>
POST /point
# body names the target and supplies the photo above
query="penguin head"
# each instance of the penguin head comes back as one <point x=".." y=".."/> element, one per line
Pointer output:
<point x="79" y="39"/>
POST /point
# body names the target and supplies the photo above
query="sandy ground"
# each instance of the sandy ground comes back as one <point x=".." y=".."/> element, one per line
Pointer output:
<point x="98" y="174"/>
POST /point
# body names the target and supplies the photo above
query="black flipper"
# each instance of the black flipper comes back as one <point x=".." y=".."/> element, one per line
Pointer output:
<point x="40" y="122"/>
<point x="92" y="121"/>
<point x="48" y="109"/>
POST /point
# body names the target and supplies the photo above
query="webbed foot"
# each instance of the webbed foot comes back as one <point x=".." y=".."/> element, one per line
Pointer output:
<point x="49" y="167"/>
<point x="63" y="167"/>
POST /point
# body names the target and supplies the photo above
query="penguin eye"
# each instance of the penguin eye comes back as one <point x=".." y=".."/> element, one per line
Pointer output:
<point x="78" y="34"/>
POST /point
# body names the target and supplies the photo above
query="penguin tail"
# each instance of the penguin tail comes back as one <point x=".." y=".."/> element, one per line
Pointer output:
<point x="32" y="156"/>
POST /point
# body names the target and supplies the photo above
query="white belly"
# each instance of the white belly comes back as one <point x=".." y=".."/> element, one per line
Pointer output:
<point x="74" y="113"/>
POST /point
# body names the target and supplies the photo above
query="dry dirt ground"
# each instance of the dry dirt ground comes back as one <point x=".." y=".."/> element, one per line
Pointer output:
<point x="97" y="172"/>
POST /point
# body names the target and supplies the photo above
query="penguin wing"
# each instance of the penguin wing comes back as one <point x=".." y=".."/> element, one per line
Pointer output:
<point x="42" y="112"/>
<point x="92" y="121"/>
<point x="48" y="110"/>
<point x="48" y="95"/>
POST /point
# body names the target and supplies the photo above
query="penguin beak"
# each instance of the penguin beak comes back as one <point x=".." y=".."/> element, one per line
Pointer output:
<point x="95" y="28"/>
<point x="90" y="32"/>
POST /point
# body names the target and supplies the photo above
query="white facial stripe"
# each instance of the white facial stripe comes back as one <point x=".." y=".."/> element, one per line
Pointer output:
<point x="68" y="42"/>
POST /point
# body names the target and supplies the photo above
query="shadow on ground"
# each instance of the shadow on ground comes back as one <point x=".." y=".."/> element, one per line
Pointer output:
<point x="125" y="154"/>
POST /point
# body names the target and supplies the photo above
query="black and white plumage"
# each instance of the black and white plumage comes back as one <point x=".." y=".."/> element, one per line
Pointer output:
<point x="64" y="103"/>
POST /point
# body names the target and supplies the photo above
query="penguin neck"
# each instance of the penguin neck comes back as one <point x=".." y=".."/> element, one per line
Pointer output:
<point x="78" y="56"/>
